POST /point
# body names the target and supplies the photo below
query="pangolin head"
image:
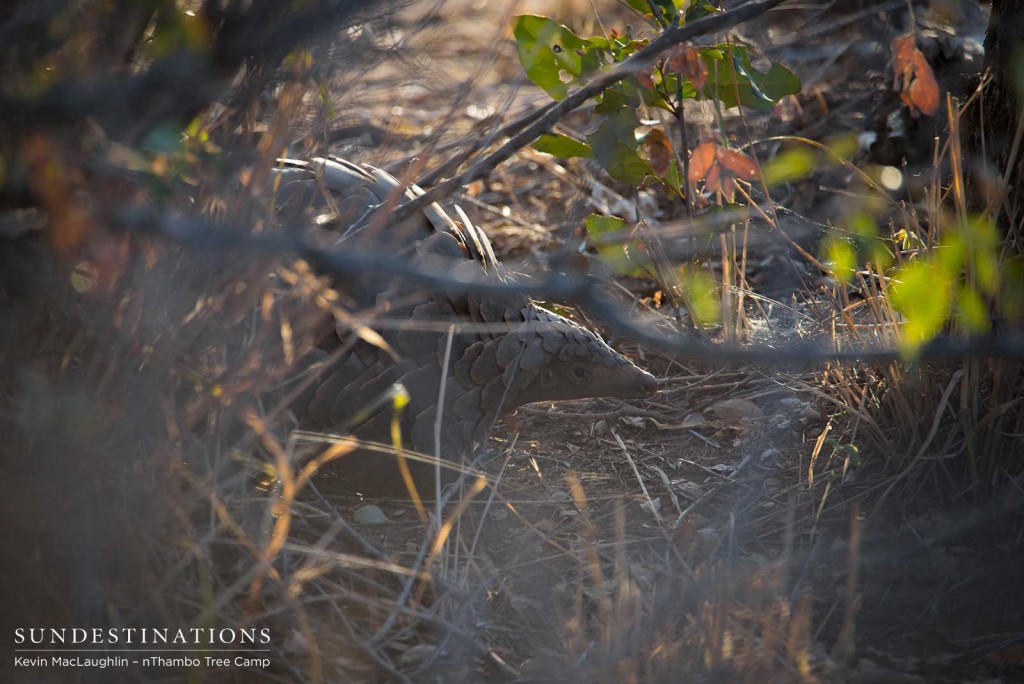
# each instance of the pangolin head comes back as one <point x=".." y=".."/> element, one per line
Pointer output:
<point x="562" y="360"/>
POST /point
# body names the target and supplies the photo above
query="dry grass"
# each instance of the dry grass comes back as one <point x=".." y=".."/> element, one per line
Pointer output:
<point x="731" y="529"/>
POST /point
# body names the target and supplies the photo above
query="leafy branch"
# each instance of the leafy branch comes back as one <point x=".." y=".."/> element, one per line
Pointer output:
<point x="541" y="120"/>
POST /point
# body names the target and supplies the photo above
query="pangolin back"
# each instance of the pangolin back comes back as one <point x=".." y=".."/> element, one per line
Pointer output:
<point x="506" y="350"/>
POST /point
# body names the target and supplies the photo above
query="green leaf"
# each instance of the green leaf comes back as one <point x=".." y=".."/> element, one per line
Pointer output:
<point x="620" y="95"/>
<point x="699" y="10"/>
<point x="881" y="255"/>
<point x="620" y="46"/>
<point x="639" y="6"/>
<point x="552" y="55"/>
<point x="562" y="146"/>
<point x="1011" y="295"/>
<point x="971" y="311"/>
<point x="981" y="232"/>
<point x="863" y="225"/>
<point x="986" y="271"/>
<point x="620" y="256"/>
<point x="952" y="250"/>
<point x="922" y="293"/>
<point x="701" y="295"/>
<point x="843" y="146"/>
<point x="672" y="178"/>
<point x="653" y="97"/>
<point x="789" y="165"/>
<point x="615" y="147"/>
<point x="666" y="8"/>
<point x="757" y="90"/>
<point x="667" y="84"/>
<point x="602" y="228"/>
<point x="842" y="258"/>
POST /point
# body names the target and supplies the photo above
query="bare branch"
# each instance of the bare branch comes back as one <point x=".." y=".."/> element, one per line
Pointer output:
<point x="585" y="290"/>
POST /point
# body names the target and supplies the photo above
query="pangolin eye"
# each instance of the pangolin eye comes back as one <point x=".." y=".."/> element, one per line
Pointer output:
<point x="580" y="372"/>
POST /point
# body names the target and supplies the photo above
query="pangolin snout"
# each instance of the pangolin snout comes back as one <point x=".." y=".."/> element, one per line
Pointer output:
<point x="647" y="382"/>
<point x="622" y="381"/>
<point x="636" y="383"/>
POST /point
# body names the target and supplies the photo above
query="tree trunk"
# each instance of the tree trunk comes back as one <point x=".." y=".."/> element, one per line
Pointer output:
<point x="989" y="128"/>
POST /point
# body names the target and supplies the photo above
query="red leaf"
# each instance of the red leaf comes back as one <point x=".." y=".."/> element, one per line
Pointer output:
<point x="701" y="161"/>
<point x="685" y="60"/>
<point x="659" y="151"/>
<point x="740" y="165"/>
<point x="719" y="168"/>
<point x="717" y="182"/>
<point x="645" y="80"/>
<point x="914" y="76"/>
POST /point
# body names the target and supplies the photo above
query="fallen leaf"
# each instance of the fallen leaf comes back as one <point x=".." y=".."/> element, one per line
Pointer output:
<point x="633" y="421"/>
<point x="651" y="507"/>
<point x="690" y="490"/>
<point x="693" y="420"/>
<point x="689" y="422"/>
<point x="737" y="409"/>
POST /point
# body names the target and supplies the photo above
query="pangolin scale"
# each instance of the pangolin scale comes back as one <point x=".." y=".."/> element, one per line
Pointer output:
<point x="521" y="353"/>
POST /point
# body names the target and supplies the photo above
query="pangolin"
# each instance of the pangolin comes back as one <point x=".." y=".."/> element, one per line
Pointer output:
<point x="523" y="353"/>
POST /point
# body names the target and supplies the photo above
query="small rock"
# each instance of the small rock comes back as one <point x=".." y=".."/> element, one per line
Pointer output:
<point x="370" y="515"/>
